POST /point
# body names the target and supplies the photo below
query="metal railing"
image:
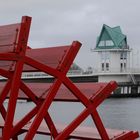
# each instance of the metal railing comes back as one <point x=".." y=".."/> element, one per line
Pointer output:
<point x="118" y="71"/>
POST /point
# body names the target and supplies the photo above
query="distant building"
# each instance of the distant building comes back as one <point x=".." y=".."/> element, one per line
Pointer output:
<point x="113" y="55"/>
<point x="74" y="70"/>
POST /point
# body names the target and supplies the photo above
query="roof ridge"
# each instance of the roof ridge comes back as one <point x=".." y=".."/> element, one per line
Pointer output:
<point x="117" y="31"/>
<point x="114" y="33"/>
<point x="114" y="28"/>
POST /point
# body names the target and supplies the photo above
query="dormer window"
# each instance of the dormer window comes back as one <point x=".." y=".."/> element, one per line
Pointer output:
<point x="106" y="43"/>
<point x="109" y="43"/>
<point x="102" y="43"/>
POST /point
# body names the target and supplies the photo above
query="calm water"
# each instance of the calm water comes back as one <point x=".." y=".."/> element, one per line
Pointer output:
<point x="115" y="113"/>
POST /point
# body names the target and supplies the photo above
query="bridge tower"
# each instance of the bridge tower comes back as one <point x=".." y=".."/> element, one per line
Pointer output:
<point x="113" y="52"/>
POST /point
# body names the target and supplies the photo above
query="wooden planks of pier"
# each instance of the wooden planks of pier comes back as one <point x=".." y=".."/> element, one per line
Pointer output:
<point x="15" y="58"/>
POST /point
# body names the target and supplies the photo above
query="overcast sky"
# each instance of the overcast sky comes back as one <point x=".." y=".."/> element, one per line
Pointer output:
<point x="59" y="22"/>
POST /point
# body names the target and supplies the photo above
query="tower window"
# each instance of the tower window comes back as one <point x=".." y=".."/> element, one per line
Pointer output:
<point x="125" y="66"/>
<point x="107" y="66"/>
<point x="103" y="68"/>
<point x="121" y="67"/>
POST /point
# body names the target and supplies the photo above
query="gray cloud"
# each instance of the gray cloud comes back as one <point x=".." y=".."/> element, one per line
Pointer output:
<point x="61" y="22"/>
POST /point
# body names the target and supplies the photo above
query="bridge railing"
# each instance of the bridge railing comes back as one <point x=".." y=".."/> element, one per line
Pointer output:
<point x="117" y="71"/>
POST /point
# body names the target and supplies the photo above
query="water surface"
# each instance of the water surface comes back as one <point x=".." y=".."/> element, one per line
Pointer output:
<point x="115" y="113"/>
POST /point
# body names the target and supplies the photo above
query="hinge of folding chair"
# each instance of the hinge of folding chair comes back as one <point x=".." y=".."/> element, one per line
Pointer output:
<point x="44" y="93"/>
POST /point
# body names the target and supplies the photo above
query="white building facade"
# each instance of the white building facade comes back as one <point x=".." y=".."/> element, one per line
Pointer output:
<point x="113" y="56"/>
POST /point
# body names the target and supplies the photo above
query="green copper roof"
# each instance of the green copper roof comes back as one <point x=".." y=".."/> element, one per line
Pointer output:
<point x="117" y="29"/>
<point x="114" y="35"/>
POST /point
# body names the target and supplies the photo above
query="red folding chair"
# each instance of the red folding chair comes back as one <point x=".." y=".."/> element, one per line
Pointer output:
<point x="15" y="58"/>
<point x="13" y="44"/>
